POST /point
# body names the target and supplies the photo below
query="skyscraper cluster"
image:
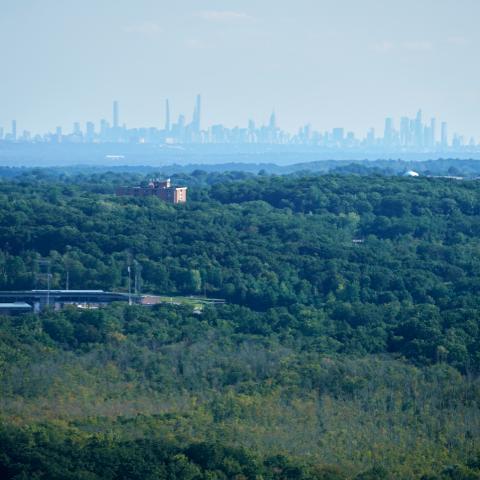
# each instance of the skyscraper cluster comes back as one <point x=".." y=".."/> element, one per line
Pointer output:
<point x="411" y="134"/>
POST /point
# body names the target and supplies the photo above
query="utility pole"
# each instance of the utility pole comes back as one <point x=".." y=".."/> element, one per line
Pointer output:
<point x="129" y="285"/>
<point x="49" y="276"/>
<point x="129" y="269"/>
<point x="67" y="265"/>
<point x="138" y="277"/>
<point x="45" y="274"/>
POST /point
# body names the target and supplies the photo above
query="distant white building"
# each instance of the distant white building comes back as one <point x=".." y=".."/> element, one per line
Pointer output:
<point x="411" y="173"/>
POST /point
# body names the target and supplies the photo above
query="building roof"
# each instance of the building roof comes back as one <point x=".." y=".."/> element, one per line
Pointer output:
<point x="9" y="306"/>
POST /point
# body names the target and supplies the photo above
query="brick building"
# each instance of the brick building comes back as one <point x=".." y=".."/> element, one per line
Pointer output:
<point x="162" y="189"/>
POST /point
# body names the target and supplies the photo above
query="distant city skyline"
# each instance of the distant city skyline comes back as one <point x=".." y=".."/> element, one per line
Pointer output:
<point x="416" y="133"/>
<point x="167" y="116"/>
<point x="322" y="62"/>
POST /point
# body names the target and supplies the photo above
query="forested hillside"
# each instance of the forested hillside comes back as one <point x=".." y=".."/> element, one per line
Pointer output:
<point x="349" y="346"/>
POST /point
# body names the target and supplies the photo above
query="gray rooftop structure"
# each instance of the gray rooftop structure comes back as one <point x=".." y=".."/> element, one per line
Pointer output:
<point x="18" y="305"/>
<point x="15" y="308"/>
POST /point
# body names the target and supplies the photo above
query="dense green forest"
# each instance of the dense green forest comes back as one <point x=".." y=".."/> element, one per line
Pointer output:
<point x="349" y="346"/>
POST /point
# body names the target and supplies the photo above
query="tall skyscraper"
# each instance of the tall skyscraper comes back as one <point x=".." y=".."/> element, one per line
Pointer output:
<point x="272" y="128"/>
<point x="90" y="131"/>
<point x="273" y="121"/>
<point x="405" y="131"/>
<point x="167" y="115"/>
<point x="444" y="135"/>
<point x="197" y="112"/>
<point x="116" y="122"/>
<point x="426" y="136"/>
<point x="419" y="130"/>
<point x="433" y="133"/>
<point x="14" y="130"/>
<point x="307" y="131"/>
<point x="251" y="131"/>
<point x="104" y="126"/>
<point x="388" y="135"/>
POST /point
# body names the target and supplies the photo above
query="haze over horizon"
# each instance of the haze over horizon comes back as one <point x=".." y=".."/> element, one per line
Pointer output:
<point x="346" y="64"/>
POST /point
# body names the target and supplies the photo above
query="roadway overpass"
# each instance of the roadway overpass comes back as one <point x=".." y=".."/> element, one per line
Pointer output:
<point x="57" y="299"/>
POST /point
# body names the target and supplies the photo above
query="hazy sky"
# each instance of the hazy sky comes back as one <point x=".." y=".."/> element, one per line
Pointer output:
<point x="328" y="62"/>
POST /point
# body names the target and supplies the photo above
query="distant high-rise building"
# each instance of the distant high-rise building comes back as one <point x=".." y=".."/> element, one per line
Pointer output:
<point x="444" y="135"/>
<point x="251" y="131"/>
<point x="1" y="133"/>
<point x="26" y="136"/>
<point x="405" y="137"/>
<point x="179" y="129"/>
<point x="338" y="134"/>
<point x="58" y="134"/>
<point x="14" y="130"/>
<point x="116" y="120"/>
<point x="426" y="136"/>
<point x="76" y="128"/>
<point x="370" y="140"/>
<point x="388" y="135"/>
<point x="167" y="115"/>
<point x="271" y="134"/>
<point x="218" y="134"/>
<point x="199" y="112"/>
<point x="419" y="130"/>
<point x="457" y="141"/>
<point x="104" y="127"/>
<point x="307" y="131"/>
<point x="90" y="131"/>
<point x="273" y="121"/>
<point x="433" y="133"/>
